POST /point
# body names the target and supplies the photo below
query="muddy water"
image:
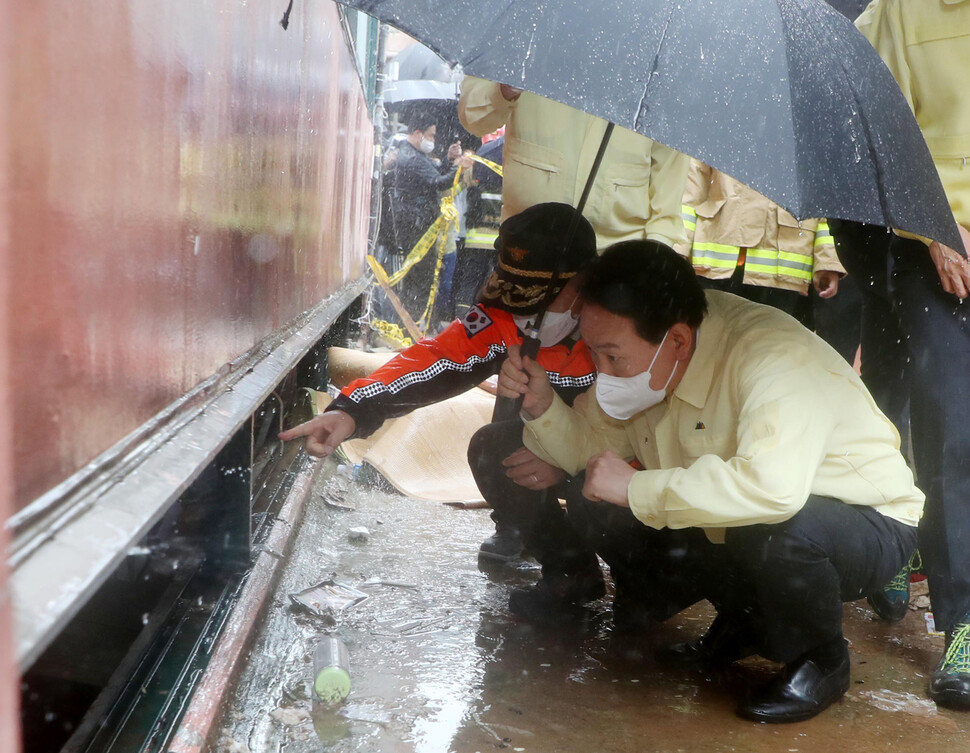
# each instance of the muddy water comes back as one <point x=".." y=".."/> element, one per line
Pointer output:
<point x="442" y="666"/>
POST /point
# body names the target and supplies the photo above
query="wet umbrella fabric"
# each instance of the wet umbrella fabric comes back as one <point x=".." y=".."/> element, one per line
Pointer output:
<point x="418" y="73"/>
<point x="784" y="95"/>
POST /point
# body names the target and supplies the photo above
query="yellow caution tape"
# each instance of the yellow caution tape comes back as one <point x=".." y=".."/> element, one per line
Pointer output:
<point x="493" y="166"/>
<point x="436" y="234"/>
<point x="393" y="333"/>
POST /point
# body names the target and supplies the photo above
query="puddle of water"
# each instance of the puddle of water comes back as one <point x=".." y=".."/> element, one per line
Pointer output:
<point x="440" y="665"/>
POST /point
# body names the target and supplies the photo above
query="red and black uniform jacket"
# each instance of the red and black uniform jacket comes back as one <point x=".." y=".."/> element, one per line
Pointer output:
<point x="469" y="351"/>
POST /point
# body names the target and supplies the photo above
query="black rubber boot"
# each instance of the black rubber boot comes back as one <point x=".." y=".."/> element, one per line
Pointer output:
<point x="504" y="545"/>
<point x="558" y="597"/>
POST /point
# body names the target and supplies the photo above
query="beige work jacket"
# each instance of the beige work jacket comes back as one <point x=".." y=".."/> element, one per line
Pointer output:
<point x="926" y="45"/>
<point x="722" y="216"/>
<point x="549" y="150"/>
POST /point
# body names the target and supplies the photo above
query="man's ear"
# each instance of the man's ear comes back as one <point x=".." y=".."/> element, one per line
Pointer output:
<point x="683" y="338"/>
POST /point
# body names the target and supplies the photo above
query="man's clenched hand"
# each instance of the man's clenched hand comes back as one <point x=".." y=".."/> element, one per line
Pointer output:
<point x="520" y="375"/>
<point x="526" y="469"/>
<point x="607" y="478"/>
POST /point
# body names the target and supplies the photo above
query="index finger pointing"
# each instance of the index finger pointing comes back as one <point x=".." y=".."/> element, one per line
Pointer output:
<point x="302" y="430"/>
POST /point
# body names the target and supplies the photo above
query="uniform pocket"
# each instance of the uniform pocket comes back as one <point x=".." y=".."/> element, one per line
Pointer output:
<point x="796" y="246"/>
<point x="533" y="173"/>
<point x="626" y="195"/>
<point x="702" y="442"/>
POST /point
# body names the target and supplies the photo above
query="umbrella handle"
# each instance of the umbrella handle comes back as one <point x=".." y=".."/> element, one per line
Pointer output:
<point x="574" y="222"/>
<point x="508" y="408"/>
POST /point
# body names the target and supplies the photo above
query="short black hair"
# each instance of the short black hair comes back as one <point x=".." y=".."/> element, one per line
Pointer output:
<point x="421" y="123"/>
<point x="648" y="282"/>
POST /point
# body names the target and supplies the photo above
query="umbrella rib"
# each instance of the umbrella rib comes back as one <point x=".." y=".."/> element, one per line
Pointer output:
<point x="653" y="67"/>
<point x="873" y="156"/>
<point x="864" y="121"/>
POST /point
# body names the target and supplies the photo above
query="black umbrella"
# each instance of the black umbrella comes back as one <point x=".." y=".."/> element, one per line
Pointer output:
<point x="784" y="95"/>
<point x="418" y="73"/>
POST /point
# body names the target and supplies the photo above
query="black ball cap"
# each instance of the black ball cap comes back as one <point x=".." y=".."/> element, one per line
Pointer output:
<point x="530" y="246"/>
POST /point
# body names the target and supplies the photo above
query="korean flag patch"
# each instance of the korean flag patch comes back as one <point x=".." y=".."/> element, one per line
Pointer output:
<point x="475" y="320"/>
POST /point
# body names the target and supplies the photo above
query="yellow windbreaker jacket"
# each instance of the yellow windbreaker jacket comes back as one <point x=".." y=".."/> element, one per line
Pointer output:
<point x="549" y="150"/>
<point x="765" y="415"/>
<point x="926" y="45"/>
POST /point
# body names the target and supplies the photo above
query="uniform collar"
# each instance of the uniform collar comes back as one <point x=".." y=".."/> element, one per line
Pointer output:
<point x="695" y="385"/>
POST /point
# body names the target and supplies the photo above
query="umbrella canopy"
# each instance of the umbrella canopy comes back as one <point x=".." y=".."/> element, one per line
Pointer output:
<point x="784" y="95"/>
<point x="411" y="89"/>
<point x="418" y="63"/>
<point x="418" y="73"/>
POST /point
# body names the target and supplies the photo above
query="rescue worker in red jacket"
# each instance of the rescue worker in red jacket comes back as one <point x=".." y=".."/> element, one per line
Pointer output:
<point x="470" y="350"/>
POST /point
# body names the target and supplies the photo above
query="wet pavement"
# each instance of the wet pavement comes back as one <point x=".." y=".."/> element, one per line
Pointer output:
<point x="438" y="664"/>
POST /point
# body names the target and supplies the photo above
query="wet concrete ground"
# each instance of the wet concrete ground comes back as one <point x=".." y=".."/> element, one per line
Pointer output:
<point x="443" y="667"/>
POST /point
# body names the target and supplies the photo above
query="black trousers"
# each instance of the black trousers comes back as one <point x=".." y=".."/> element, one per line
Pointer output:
<point x="864" y="252"/>
<point x="838" y="320"/>
<point x="788" y="580"/>
<point x="473" y="267"/>
<point x="932" y="328"/>
<point x="788" y="301"/>
<point x="546" y="531"/>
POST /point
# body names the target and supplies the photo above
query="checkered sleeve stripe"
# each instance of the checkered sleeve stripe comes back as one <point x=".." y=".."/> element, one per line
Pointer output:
<point x="425" y="375"/>
<point x="568" y="381"/>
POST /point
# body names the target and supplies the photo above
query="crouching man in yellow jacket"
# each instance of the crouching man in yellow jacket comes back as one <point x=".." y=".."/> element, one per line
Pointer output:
<point x="774" y="507"/>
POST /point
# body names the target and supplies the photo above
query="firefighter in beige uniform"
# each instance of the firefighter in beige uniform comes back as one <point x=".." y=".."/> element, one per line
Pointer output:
<point x="926" y="45"/>
<point x="741" y="242"/>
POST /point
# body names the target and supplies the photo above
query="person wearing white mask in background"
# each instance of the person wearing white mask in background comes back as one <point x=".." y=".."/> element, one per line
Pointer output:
<point x="470" y="350"/>
<point x="772" y="485"/>
<point x="416" y="182"/>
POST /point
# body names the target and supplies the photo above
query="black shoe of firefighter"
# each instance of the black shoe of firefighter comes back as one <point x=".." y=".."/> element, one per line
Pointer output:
<point x="803" y="689"/>
<point x="552" y="599"/>
<point x="950" y="682"/>
<point x="727" y="640"/>
<point x="504" y="545"/>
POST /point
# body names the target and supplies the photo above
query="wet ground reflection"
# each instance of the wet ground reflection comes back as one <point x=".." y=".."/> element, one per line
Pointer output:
<point x="442" y="666"/>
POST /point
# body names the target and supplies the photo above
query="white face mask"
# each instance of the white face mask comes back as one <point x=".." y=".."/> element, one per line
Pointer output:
<point x="623" y="397"/>
<point x="427" y="146"/>
<point x="556" y="326"/>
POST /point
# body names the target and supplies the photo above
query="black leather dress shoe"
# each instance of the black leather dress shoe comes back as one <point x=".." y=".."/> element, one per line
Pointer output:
<point x="727" y="640"/>
<point x="805" y="687"/>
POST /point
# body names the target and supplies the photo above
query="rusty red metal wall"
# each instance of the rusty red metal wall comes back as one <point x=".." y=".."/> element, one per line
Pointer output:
<point x="9" y="684"/>
<point x="187" y="177"/>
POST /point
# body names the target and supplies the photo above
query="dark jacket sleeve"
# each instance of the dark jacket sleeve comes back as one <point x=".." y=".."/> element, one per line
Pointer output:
<point x="425" y="172"/>
<point x="415" y="171"/>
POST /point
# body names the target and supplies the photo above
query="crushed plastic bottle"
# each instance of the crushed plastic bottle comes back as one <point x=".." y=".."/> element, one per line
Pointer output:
<point x="331" y="671"/>
<point x="350" y="471"/>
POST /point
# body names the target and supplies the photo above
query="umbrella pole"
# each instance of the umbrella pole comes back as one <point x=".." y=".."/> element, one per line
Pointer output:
<point x="507" y="408"/>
